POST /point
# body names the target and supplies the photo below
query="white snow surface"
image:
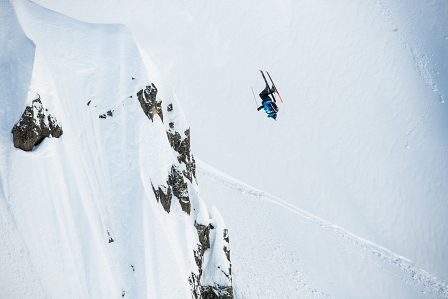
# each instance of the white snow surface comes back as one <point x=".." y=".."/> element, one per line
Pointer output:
<point x="361" y="138"/>
<point x="281" y="251"/>
<point x="360" y="142"/>
<point x="79" y="218"/>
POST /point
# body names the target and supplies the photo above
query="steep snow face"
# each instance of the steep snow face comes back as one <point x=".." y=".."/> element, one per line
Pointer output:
<point x="80" y="215"/>
<point x="361" y="138"/>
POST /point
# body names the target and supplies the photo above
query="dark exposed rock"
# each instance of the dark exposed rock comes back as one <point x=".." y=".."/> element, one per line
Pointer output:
<point x="180" y="189"/>
<point x="108" y="113"/>
<point x="176" y="183"/>
<point x="148" y="102"/>
<point x="217" y="292"/>
<point x="182" y="147"/>
<point x="34" y="126"/>
<point x="198" y="255"/>
<point x="226" y="250"/>
<point x="110" y="238"/>
<point x="55" y="128"/>
<point x="164" y="195"/>
<point x="204" y="244"/>
<point x="195" y="284"/>
<point x="176" y="186"/>
<point x="190" y="171"/>
<point x="226" y="246"/>
<point x="179" y="178"/>
<point x="204" y="236"/>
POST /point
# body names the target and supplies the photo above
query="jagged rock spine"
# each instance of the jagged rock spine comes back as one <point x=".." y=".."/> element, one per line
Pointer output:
<point x="183" y="174"/>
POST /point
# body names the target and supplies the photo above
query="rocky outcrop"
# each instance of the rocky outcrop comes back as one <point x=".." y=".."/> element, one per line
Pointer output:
<point x="182" y="147"/>
<point x="215" y="291"/>
<point x="180" y="188"/>
<point x="203" y="245"/>
<point x="148" y="101"/>
<point x="175" y="184"/>
<point x="181" y="176"/>
<point x="34" y="126"/>
<point x="109" y="113"/>
<point x="226" y="247"/>
<point x="163" y="195"/>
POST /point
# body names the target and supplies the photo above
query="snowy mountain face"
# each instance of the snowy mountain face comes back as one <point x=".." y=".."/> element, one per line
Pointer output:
<point x="361" y="138"/>
<point x="98" y="192"/>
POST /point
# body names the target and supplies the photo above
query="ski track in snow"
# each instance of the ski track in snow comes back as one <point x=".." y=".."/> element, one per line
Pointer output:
<point x="136" y="223"/>
<point x="407" y="272"/>
<point x="412" y="38"/>
<point x="415" y="126"/>
<point x="401" y="23"/>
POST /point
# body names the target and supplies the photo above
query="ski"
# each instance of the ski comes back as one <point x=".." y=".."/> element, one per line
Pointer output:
<point x="264" y="77"/>
<point x="273" y="85"/>
<point x="267" y="84"/>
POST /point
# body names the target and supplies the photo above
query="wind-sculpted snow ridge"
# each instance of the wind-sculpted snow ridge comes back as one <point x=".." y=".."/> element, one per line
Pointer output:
<point x="423" y="284"/>
<point x="112" y="208"/>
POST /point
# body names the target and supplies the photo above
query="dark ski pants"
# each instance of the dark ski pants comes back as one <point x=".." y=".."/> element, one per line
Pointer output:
<point x="264" y="95"/>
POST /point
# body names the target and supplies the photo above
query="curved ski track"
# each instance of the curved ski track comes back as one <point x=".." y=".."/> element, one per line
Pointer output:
<point x="408" y="272"/>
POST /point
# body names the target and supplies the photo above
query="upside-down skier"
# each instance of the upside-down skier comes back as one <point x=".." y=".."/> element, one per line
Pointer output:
<point x="269" y="106"/>
<point x="268" y="102"/>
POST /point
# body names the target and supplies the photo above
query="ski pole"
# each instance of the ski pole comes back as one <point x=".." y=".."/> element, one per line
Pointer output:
<point x="254" y="97"/>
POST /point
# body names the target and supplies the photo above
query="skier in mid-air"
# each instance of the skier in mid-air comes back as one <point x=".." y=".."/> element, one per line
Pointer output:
<point x="269" y="106"/>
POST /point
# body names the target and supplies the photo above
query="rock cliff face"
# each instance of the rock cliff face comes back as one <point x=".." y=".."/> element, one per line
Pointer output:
<point x="34" y="126"/>
<point x="180" y="182"/>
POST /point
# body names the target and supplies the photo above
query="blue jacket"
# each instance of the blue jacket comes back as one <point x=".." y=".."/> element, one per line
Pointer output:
<point x="268" y="107"/>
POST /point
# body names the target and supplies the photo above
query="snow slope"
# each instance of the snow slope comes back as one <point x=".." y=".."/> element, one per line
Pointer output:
<point x="78" y="214"/>
<point x="281" y="251"/>
<point x="361" y="139"/>
<point x="360" y="142"/>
